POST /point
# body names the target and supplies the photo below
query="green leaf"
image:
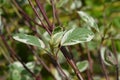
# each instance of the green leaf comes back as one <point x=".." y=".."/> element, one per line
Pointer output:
<point x="15" y="70"/>
<point x="107" y="56"/>
<point x="16" y="66"/>
<point x="102" y="52"/>
<point x="31" y="65"/>
<point x="28" y="39"/>
<point x="77" y="35"/>
<point x="83" y="65"/>
<point x="18" y="72"/>
<point x="89" y="20"/>
<point x="15" y="75"/>
<point x="110" y="57"/>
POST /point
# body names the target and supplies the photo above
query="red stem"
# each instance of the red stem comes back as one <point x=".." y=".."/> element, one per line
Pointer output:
<point x="35" y="11"/>
<point x="90" y="70"/>
<point x="71" y="61"/>
<point x="44" y="14"/>
<point x="24" y="14"/>
<point x="53" y="9"/>
<point x="115" y="53"/>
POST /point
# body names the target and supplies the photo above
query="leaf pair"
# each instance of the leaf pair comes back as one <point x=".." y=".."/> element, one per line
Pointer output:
<point x="71" y="37"/>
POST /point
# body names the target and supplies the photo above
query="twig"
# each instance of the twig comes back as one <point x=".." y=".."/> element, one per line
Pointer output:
<point x="115" y="53"/>
<point x="88" y="74"/>
<point x="44" y="14"/>
<point x="65" y="77"/>
<point x="57" y="66"/>
<point x="24" y="14"/>
<point x="90" y="70"/>
<point x="35" y="11"/>
<point x="71" y="62"/>
<point x="54" y="13"/>
<point x="39" y="59"/>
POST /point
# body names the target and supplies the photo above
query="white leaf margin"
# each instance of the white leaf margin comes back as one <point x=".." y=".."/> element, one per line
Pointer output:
<point x="26" y="41"/>
<point x="89" y="38"/>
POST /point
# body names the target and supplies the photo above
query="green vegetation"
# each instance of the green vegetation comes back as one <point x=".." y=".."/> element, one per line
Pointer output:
<point x="59" y="39"/>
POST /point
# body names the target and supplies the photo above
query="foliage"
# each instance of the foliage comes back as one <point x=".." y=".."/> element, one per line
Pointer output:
<point x="59" y="41"/>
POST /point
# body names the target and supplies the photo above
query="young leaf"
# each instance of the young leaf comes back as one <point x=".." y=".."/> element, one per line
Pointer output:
<point x="56" y="38"/>
<point x="76" y="35"/>
<point x="28" y="39"/>
<point x="89" y="20"/>
<point x="83" y="65"/>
